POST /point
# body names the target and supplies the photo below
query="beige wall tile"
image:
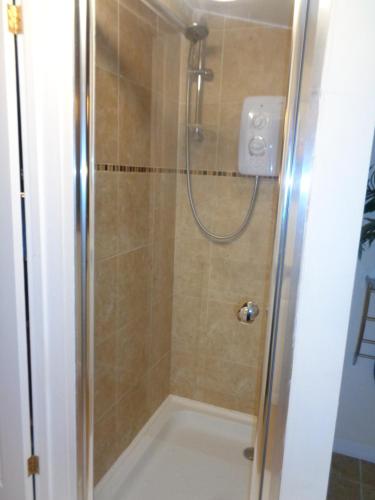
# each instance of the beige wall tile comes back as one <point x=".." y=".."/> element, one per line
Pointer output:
<point x="172" y="66"/>
<point x="106" y="215"/>
<point x="105" y="389"/>
<point x="157" y="70"/>
<point x="107" y="34"/>
<point x="164" y="224"/>
<point x="183" y="374"/>
<point x="134" y="210"/>
<point x="188" y="316"/>
<point x="158" y="383"/>
<point x="203" y="153"/>
<point x="255" y="62"/>
<point x="224" y="337"/>
<point x="131" y="414"/>
<point x="141" y="10"/>
<point x="135" y="223"/>
<point x="214" y="48"/>
<point x="105" y="361"/>
<point x="205" y="199"/>
<point x="166" y="299"/>
<point x="215" y="397"/>
<point x="105" y="449"/>
<point x="170" y="137"/>
<point x="232" y="379"/>
<point x="134" y="33"/>
<point x="233" y="280"/>
<point x="166" y="62"/>
<point x="131" y="359"/>
<point x="276" y="45"/>
<point x="184" y="52"/>
<point x="232" y="198"/>
<point x="163" y="267"/>
<point x="191" y="267"/>
<point x="164" y="125"/>
<point x="134" y="124"/>
<point x="243" y="64"/>
<point x="125" y="421"/>
<point x="138" y="328"/>
<point x="105" y="298"/>
<point x="165" y="191"/>
<point x="161" y="327"/>
<point x="139" y="399"/>
<point x="106" y="119"/>
<point x="164" y="206"/>
<point x="228" y="136"/>
<point x="134" y="286"/>
<point x="157" y="128"/>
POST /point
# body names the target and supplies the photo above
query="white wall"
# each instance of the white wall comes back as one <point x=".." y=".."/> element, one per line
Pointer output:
<point x="355" y="427"/>
<point x="337" y="188"/>
<point x="46" y="63"/>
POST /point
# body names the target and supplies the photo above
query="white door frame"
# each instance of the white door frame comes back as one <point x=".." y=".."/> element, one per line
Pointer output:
<point x="337" y="186"/>
<point x="15" y="434"/>
<point x="47" y="58"/>
<point x="46" y="64"/>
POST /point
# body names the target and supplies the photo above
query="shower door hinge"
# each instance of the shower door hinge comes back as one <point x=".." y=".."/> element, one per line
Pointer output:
<point x="15" y="24"/>
<point x="33" y="465"/>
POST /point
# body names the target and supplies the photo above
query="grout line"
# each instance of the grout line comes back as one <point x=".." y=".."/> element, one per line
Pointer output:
<point x="117" y="401"/>
<point x="120" y="253"/>
<point x="116" y="295"/>
<point x="218" y="141"/>
<point x="218" y="121"/>
<point x="118" y="81"/>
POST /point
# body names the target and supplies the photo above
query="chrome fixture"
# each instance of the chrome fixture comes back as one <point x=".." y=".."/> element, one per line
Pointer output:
<point x="197" y="72"/>
<point x="248" y="312"/>
<point x="197" y="34"/>
<point x="248" y="453"/>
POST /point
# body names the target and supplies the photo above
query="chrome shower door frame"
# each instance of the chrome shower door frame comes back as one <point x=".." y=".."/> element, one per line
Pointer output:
<point x="310" y="28"/>
<point x="84" y="84"/>
<point x="309" y="32"/>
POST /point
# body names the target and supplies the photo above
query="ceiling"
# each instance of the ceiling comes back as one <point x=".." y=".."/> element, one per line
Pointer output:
<point x="268" y="11"/>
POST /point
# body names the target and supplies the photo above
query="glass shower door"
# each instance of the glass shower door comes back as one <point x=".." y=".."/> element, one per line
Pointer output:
<point x="184" y="225"/>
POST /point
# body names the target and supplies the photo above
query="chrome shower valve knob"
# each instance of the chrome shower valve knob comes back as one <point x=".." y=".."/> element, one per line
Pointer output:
<point x="248" y="312"/>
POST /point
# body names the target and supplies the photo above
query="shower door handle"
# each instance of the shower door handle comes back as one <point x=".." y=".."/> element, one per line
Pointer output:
<point x="248" y="312"/>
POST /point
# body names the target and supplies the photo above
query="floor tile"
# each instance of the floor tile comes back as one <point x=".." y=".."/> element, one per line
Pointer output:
<point x="342" y="489"/>
<point x="368" y="493"/>
<point x="368" y="473"/>
<point x="345" y="467"/>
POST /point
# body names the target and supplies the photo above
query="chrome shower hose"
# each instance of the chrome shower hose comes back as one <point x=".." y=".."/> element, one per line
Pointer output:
<point x="226" y="238"/>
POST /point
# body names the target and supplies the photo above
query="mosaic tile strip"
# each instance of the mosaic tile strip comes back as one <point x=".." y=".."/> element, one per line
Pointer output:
<point x="161" y="170"/>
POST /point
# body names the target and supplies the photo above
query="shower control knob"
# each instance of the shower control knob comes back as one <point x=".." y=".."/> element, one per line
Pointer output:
<point x="259" y="120"/>
<point x="257" y="146"/>
<point x="248" y="312"/>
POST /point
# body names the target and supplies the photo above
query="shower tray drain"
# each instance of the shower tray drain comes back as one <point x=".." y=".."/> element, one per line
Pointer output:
<point x="249" y="453"/>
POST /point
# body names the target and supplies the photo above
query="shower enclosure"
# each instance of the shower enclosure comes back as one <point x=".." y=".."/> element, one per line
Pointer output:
<point x="184" y="240"/>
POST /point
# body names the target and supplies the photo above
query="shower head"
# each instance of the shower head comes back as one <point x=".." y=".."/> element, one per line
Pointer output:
<point x="196" y="32"/>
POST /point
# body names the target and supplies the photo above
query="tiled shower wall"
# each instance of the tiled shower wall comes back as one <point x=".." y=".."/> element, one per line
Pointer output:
<point x="152" y="263"/>
<point x="216" y="359"/>
<point x="137" y="84"/>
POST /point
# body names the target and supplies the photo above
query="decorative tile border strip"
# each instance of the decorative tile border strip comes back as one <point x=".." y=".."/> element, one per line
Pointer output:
<point x="161" y="170"/>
